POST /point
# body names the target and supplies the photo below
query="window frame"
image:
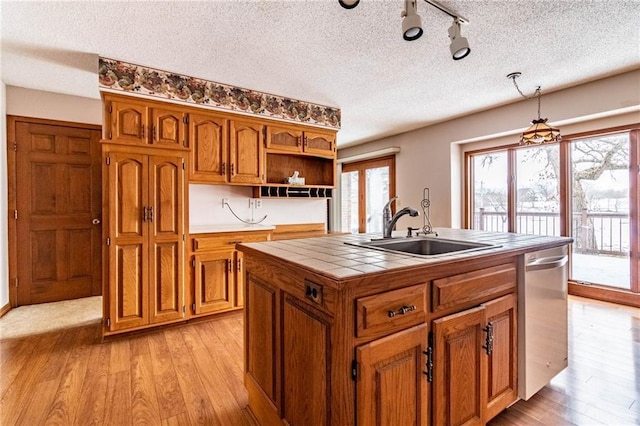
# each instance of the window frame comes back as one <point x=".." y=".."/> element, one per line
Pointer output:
<point x="594" y="291"/>
<point x="361" y="167"/>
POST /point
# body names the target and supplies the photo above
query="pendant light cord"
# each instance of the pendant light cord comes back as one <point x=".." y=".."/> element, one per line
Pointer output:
<point x="537" y="93"/>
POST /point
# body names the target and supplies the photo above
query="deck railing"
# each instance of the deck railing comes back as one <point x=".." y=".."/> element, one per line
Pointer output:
<point x="597" y="233"/>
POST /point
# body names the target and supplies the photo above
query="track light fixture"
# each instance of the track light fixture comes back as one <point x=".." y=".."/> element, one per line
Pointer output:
<point x="459" y="45"/>
<point x="539" y="132"/>
<point x="412" y="25"/>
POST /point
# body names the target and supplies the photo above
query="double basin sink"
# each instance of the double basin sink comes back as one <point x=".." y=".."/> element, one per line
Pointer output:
<point x="423" y="246"/>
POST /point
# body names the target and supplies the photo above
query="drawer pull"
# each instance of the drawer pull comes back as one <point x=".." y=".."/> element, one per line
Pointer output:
<point x="402" y="311"/>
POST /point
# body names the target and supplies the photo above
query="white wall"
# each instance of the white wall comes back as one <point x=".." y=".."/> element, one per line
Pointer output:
<point x="53" y="106"/>
<point x="4" y="207"/>
<point x="205" y="207"/>
<point x="432" y="156"/>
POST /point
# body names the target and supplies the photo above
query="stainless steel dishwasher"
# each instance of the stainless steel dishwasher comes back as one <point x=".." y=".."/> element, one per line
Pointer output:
<point x="542" y="318"/>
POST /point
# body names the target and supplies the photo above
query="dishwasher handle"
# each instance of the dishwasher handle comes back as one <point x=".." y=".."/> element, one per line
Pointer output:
<point x="547" y="263"/>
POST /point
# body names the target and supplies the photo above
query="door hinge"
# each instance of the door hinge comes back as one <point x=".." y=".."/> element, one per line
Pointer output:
<point x="108" y="160"/>
<point x="108" y="241"/>
<point x="429" y="354"/>
<point x="15" y="214"/>
<point x="108" y="322"/>
<point x="354" y="370"/>
<point x="193" y="263"/>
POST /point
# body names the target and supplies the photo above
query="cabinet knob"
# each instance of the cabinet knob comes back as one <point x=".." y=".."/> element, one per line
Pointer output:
<point x="401" y="311"/>
<point x="96" y="221"/>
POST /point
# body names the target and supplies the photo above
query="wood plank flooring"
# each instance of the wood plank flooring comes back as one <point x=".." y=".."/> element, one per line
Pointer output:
<point x="192" y="375"/>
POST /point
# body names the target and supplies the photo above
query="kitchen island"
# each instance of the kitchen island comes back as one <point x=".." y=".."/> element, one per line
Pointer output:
<point x="340" y="334"/>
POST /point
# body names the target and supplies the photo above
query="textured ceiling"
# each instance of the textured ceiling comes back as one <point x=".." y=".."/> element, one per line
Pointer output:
<point x="319" y="52"/>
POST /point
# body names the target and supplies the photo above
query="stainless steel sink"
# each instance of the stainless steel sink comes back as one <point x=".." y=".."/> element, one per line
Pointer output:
<point x="423" y="246"/>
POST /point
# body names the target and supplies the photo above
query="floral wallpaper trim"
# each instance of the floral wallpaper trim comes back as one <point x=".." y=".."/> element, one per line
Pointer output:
<point x="118" y="75"/>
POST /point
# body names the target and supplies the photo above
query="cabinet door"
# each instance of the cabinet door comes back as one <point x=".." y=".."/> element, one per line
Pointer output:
<point x="391" y="388"/>
<point x="245" y="152"/>
<point x="209" y="140"/>
<point x="320" y="143"/>
<point x="129" y="122"/>
<point x="128" y="231"/>
<point x="460" y="369"/>
<point x="284" y="139"/>
<point x="166" y="246"/>
<point x="168" y="127"/>
<point x="214" y="282"/>
<point x="502" y="388"/>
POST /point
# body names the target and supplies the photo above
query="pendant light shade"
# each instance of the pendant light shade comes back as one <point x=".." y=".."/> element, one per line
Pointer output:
<point x="540" y="132"/>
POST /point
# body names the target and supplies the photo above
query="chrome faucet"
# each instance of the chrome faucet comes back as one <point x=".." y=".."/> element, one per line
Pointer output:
<point x="388" y="222"/>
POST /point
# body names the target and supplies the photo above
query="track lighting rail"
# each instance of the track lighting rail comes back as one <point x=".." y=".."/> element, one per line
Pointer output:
<point x="460" y="19"/>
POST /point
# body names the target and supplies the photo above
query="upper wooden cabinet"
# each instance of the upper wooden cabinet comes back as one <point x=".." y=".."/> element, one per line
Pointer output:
<point x="245" y="152"/>
<point x="140" y="122"/>
<point x="225" y="150"/>
<point x="209" y="143"/>
<point x="296" y="140"/>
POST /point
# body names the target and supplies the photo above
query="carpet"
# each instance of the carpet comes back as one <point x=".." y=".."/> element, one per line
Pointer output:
<point x="45" y="317"/>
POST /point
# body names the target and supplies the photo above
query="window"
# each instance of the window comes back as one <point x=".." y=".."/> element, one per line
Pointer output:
<point x="585" y="187"/>
<point x="366" y="186"/>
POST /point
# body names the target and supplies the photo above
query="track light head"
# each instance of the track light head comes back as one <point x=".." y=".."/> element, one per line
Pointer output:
<point x="411" y="24"/>
<point x="348" y="4"/>
<point x="459" y="45"/>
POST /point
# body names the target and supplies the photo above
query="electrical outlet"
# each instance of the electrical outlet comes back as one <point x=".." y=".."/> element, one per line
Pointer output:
<point x="252" y="203"/>
<point x="258" y="203"/>
<point x="225" y="201"/>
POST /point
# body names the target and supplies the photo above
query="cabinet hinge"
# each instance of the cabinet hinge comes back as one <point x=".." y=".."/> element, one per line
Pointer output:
<point x="110" y="109"/>
<point x="15" y="147"/>
<point x="108" y="241"/>
<point x="107" y="160"/>
<point x="429" y="354"/>
<point x="183" y="168"/>
<point x="184" y="309"/>
<point x="193" y="307"/>
<point x="193" y="263"/>
<point x="183" y="238"/>
<point x="354" y="370"/>
<point x="108" y="322"/>
<point x="16" y="281"/>
<point x="110" y="135"/>
<point x="15" y="214"/>
<point x="185" y="119"/>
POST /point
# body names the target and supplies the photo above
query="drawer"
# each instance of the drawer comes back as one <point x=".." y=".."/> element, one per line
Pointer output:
<point x="468" y="289"/>
<point x="202" y="243"/>
<point x="391" y="311"/>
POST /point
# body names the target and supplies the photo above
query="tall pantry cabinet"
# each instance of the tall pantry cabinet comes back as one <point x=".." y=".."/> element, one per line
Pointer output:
<point x="144" y="208"/>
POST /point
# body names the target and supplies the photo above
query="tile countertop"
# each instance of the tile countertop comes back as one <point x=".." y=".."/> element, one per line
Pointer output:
<point x="330" y="256"/>
<point x="240" y="227"/>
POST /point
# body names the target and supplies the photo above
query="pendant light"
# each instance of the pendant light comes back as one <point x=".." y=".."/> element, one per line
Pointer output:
<point x="539" y="132"/>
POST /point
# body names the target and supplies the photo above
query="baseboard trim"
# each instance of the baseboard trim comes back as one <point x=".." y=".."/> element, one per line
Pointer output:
<point x="6" y="308"/>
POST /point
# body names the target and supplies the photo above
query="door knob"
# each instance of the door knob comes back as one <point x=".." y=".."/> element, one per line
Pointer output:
<point x="96" y="221"/>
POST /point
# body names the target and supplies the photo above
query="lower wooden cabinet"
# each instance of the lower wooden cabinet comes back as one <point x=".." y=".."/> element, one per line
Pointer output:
<point x="217" y="271"/>
<point x="475" y="367"/>
<point x="392" y="388"/>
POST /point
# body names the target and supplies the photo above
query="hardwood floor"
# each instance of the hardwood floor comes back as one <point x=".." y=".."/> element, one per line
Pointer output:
<point x="192" y="375"/>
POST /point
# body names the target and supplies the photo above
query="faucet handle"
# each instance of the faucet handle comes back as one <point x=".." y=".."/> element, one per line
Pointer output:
<point x="409" y="230"/>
